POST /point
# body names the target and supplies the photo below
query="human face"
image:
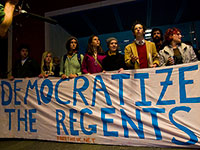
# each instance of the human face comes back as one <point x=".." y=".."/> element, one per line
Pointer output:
<point x="113" y="45"/>
<point x="73" y="44"/>
<point x="138" y="30"/>
<point x="156" y="35"/>
<point x="24" y="53"/>
<point x="95" y="41"/>
<point x="56" y="60"/>
<point x="48" y="58"/>
<point x="177" y="37"/>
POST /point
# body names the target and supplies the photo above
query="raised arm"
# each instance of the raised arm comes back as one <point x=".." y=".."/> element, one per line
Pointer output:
<point x="8" y="16"/>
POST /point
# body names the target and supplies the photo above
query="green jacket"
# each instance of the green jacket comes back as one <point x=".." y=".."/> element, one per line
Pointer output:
<point x="71" y="65"/>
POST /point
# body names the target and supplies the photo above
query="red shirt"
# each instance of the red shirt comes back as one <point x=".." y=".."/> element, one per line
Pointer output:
<point x="142" y="54"/>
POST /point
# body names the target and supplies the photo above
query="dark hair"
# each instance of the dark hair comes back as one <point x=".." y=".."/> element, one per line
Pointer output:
<point x="135" y="23"/>
<point x="67" y="44"/>
<point x="169" y="33"/>
<point x="25" y="46"/>
<point x="90" y="49"/>
<point x="157" y="29"/>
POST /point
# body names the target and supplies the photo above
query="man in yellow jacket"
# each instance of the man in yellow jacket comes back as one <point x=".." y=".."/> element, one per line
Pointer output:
<point x="141" y="53"/>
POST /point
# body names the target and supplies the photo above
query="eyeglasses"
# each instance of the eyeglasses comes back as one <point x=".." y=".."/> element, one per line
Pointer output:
<point x="177" y="34"/>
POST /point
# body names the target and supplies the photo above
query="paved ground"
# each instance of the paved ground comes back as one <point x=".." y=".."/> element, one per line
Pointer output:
<point x="18" y="144"/>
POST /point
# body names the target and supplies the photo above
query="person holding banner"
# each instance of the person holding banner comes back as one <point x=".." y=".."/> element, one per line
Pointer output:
<point x="140" y="53"/>
<point x="46" y="65"/>
<point x="70" y="64"/>
<point x="114" y="60"/>
<point x="175" y="52"/>
<point x="92" y="62"/>
<point x="25" y="67"/>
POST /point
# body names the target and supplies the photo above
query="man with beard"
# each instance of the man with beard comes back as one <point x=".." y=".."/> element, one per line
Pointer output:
<point x="157" y="37"/>
<point x="6" y="15"/>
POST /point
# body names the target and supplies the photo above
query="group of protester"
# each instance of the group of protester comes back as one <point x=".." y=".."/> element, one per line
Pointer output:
<point x="139" y="54"/>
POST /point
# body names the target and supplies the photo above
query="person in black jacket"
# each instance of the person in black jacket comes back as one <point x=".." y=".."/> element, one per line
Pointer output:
<point x="157" y="37"/>
<point x="114" y="60"/>
<point x="25" y="67"/>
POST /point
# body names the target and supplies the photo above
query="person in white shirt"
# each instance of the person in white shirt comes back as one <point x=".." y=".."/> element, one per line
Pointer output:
<point x="140" y="53"/>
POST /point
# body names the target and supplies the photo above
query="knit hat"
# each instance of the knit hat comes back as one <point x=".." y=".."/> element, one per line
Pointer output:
<point x="108" y="40"/>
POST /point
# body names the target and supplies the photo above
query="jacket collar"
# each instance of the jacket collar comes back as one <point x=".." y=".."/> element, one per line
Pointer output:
<point x="140" y="42"/>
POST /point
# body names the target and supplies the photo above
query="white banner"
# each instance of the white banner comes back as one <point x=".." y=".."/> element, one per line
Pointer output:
<point x="146" y="107"/>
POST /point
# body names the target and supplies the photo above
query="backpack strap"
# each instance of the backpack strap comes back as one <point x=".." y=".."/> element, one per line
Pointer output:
<point x="79" y="58"/>
<point x="98" y="62"/>
<point x="64" y="59"/>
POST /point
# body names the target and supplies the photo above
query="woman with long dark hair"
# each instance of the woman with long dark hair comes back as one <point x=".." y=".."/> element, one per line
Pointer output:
<point x="92" y="62"/>
<point x="70" y="64"/>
